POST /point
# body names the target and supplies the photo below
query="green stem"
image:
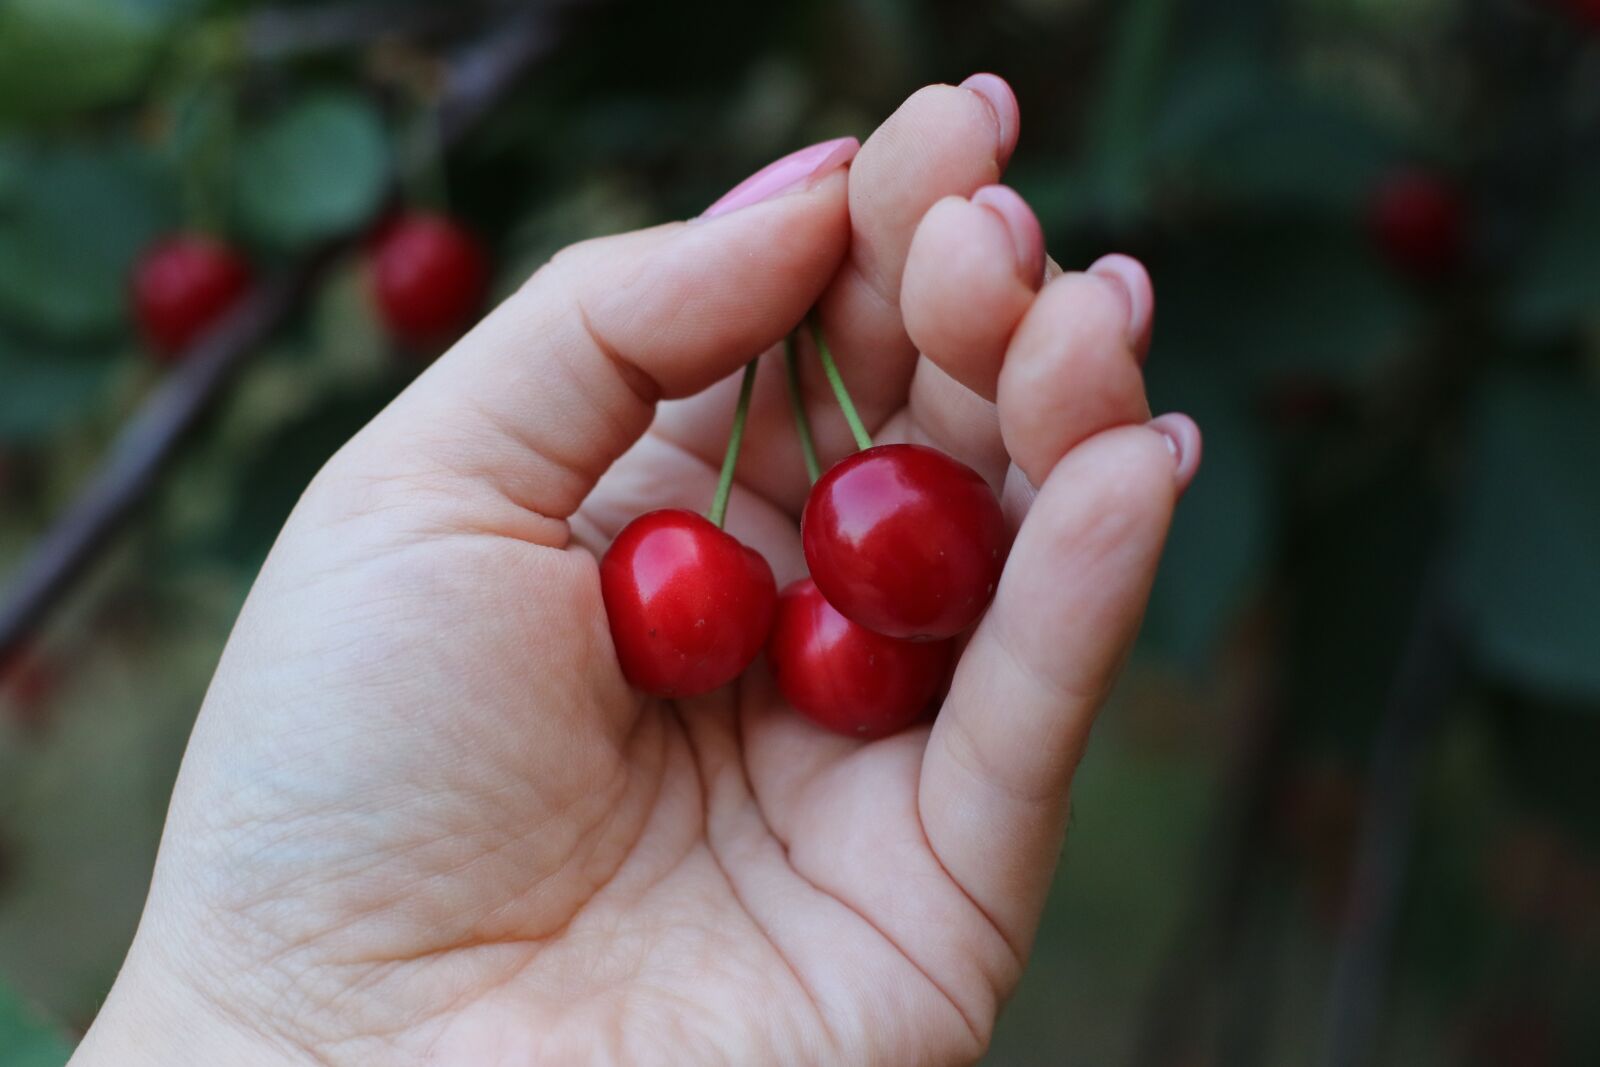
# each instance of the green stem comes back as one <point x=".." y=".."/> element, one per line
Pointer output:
<point x="730" y="458"/>
<point x="797" y="404"/>
<point x="829" y="368"/>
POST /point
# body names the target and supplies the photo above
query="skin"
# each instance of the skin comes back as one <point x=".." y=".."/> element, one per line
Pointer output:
<point x="423" y="820"/>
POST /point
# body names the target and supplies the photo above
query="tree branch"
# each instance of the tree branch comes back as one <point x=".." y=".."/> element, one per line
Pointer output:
<point x="1209" y="932"/>
<point x="1414" y="710"/>
<point x="477" y="78"/>
<point x="1204" y="942"/>
<point x="275" y="34"/>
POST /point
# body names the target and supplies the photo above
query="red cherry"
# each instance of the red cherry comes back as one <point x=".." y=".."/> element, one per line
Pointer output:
<point x="429" y="277"/>
<point x="28" y="681"/>
<point x="846" y="677"/>
<point x="1303" y="399"/>
<point x="905" y="541"/>
<point x="181" y="286"/>
<point x="1587" y="11"/>
<point x="689" y="606"/>
<point x="1418" y="221"/>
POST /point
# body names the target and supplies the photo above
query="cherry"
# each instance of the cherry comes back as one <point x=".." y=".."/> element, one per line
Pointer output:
<point x="1418" y="221"/>
<point x="904" y="540"/>
<point x="689" y="606"/>
<point x="844" y="676"/>
<point x="1587" y="11"/>
<point x="28" y="681"/>
<point x="1303" y="399"/>
<point x="429" y="277"/>
<point x="181" y="286"/>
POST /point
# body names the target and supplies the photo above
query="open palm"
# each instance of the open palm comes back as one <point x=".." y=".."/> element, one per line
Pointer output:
<point x="423" y="819"/>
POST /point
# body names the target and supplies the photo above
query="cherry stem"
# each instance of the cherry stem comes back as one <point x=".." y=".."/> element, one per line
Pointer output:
<point x="829" y="368"/>
<point x="797" y="404"/>
<point x="730" y="458"/>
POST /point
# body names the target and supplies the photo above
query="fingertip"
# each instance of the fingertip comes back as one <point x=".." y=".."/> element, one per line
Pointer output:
<point x="1027" y="237"/>
<point x="943" y="141"/>
<point x="1036" y="673"/>
<point x="970" y="277"/>
<point x="1125" y="471"/>
<point x="1183" y="439"/>
<point x="1007" y="115"/>
<point x="1068" y="373"/>
<point x="1133" y="282"/>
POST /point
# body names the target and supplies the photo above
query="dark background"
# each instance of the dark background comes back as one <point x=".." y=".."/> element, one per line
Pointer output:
<point x="1345" y="808"/>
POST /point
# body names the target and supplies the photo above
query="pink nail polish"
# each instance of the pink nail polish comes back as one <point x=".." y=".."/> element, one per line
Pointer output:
<point x="785" y="174"/>
<point x="1003" y="102"/>
<point x="1183" y="441"/>
<point x="1026" y="236"/>
<point x="1131" y="278"/>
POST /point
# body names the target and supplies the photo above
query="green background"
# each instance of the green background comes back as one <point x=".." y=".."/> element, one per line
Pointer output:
<point x="1385" y="455"/>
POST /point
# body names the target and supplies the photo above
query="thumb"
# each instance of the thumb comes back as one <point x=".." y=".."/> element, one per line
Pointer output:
<point x="543" y="395"/>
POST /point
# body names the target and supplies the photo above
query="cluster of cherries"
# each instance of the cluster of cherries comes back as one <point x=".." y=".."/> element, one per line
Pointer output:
<point x="429" y="276"/>
<point x="904" y="544"/>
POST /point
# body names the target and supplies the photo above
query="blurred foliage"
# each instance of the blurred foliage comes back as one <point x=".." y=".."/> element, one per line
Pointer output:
<point x="75" y="216"/>
<point x="316" y="168"/>
<point x="1535" y="502"/>
<point x="59" y="56"/>
<point x="25" y="1041"/>
<point x="1365" y="426"/>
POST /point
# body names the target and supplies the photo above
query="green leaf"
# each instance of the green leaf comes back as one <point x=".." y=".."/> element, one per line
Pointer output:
<point x="1285" y="299"/>
<point x="1129" y="92"/>
<point x="1559" y="279"/>
<point x="45" y="387"/>
<point x="25" y="1041"/>
<point x="1528" y="561"/>
<point x="69" y="233"/>
<point x="58" y="56"/>
<point x="1223" y="534"/>
<point x="314" y="169"/>
<point x="1245" y="134"/>
<point x="13" y="168"/>
<point x="1208" y="91"/>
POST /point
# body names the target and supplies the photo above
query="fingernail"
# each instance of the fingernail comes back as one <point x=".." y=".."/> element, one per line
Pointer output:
<point x="1023" y="226"/>
<point x="1183" y="441"/>
<point x="1131" y="279"/>
<point x="785" y="174"/>
<point x="1003" y="102"/>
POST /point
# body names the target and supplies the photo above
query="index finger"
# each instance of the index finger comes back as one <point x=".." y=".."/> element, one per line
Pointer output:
<point x="944" y="140"/>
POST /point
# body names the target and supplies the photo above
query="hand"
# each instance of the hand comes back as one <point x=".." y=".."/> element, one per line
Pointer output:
<point x="423" y="819"/>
